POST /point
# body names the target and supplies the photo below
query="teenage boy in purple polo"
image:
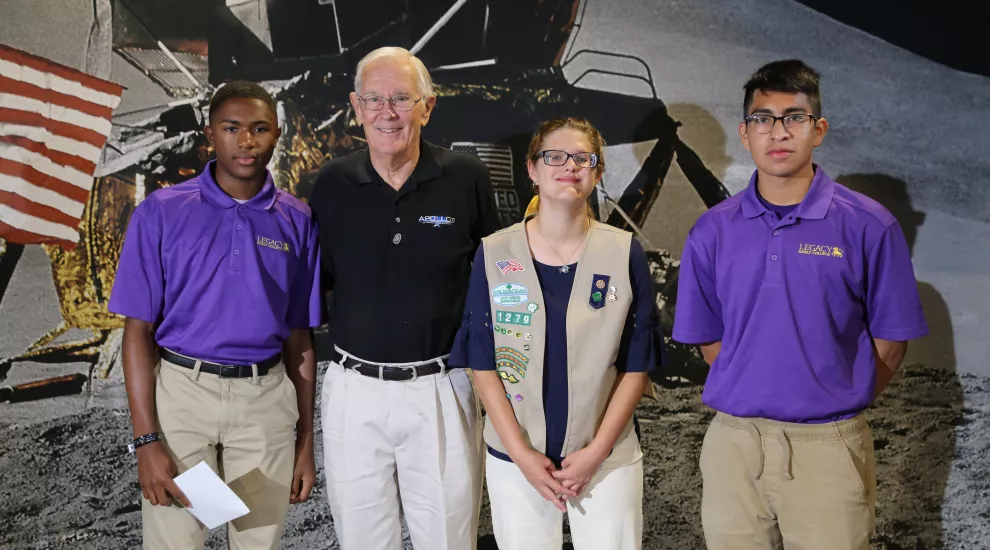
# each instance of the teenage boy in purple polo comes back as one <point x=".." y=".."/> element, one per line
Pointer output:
<point x="802" y="296"/>
<point x="219" y="281"/>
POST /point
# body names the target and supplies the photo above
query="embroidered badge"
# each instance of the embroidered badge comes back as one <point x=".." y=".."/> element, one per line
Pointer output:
<point x="820" y="250"/>
<point x="510" y="294"/>
<point x="273" y="244"/>
<point x="513" y="318"/>
<point x="518" y="398"/>
<point x="510" y="364"/>
<point x="597" y="300"/>
<point x="436" y="221"/>
<point x="532" y="307"/>
<point x="508" y="266"/>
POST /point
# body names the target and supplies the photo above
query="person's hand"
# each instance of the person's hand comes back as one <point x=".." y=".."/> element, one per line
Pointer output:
<point x="579" y="467"/>
<point x="156" y="473"/>
<point x="303" y="473"/>
<point x="538" y="471"/>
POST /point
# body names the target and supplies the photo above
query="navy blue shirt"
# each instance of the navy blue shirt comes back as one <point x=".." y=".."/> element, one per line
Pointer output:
<point x="780" y="210"/>
<point x="640" y="350"/>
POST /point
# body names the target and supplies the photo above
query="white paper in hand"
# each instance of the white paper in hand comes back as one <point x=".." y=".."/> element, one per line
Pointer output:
<point x="211" y="501"/>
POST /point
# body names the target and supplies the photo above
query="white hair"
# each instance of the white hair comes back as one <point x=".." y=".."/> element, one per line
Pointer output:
<point x="424" y="83"/>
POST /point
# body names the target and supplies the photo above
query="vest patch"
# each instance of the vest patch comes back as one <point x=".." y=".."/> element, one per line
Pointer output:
<point x="508" y="266"/>
<point x="513" y="318"/>
<point x="510" y="364"/>
<point x="599" y="283"/>
<point x="510" y="294"/>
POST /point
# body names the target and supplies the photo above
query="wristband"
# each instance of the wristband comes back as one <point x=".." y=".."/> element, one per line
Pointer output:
<point x="143" y="440"/>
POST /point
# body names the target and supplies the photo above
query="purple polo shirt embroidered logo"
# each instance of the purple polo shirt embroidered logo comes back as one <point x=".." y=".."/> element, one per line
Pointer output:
<point x="820" y="250"/>
<point x="796" y="329"/>
<point x="205" y="270"/>
<point x="273" y="244"/>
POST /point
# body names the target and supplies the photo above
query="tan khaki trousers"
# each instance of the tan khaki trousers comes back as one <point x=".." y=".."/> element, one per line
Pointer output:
<point x="777" y="485"/>
<point x="244" y="429"/>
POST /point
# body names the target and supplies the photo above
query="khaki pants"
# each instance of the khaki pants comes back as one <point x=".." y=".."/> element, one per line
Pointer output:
<point x="244" y="429"/>
<point x="773" y="485"/>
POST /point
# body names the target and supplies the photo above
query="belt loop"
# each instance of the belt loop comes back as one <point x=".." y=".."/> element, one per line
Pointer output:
<point x="443" y="367"/>
<point x="195" y="373"/>
<point x="381" y="372"/>
<point x="254" y="373"/>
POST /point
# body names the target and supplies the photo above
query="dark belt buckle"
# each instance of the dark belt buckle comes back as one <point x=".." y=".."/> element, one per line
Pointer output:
<point x="234" y="370"/>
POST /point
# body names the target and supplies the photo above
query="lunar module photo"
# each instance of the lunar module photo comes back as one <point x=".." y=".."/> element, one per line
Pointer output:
<point x="499" y="69"/>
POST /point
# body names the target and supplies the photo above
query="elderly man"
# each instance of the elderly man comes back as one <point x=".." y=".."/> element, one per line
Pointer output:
<point x="399" y="225"/>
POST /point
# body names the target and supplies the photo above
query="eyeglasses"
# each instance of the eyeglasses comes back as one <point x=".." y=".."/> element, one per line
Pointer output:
<point x="763" y="124"/>
<point x="559" y="158"/>
<point x="399" y="102"/>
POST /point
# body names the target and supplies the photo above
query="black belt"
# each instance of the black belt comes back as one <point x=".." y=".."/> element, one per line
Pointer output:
<point x="387" y="372"/>
<point x="223" y="371"/>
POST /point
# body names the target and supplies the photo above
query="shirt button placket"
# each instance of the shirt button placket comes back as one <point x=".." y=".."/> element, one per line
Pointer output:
<point x="775" y="256"/>
<point x="237" y="238"/>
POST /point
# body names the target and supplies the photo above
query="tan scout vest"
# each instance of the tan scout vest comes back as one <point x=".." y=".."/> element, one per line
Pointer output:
<point x="593" y="334"/>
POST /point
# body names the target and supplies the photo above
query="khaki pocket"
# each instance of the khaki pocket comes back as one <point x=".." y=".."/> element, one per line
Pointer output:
<point x="858" y="452"/>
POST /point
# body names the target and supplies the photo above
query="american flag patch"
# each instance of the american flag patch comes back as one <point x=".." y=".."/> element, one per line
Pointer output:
<point x="508" y="266"/>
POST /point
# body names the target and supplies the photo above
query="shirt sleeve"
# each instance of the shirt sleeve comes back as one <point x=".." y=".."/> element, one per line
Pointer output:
<point x="474" y="344"/>
<point x="306" y="307"/>
<point x="698" y="312"/>
<point x="641" y="348"/>
<point x="488" y="219"/>
<point x="893" y="306"/>
<point x="139" y="284"/>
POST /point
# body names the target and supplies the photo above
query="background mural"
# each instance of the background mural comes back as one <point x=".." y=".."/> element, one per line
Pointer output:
<point x="662" y="80"/>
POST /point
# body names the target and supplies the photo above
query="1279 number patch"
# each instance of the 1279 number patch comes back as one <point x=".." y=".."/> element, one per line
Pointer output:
<point x="513" y="318"/>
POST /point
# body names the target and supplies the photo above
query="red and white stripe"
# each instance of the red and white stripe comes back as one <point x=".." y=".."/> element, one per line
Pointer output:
<point x="54" y="122"/>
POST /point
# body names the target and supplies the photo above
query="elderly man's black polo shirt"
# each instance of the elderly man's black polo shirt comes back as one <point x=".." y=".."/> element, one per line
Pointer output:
<point x="398" y="262"/>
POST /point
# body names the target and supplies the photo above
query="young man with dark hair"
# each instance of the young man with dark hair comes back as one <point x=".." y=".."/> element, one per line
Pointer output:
<point x="802" y="296"/>
<point x="219" y="282"/>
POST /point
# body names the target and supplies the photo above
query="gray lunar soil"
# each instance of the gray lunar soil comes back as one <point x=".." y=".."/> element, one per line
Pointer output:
<point x="66" y="483"/>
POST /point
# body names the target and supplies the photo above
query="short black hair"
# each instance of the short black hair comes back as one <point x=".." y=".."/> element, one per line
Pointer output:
<point x="788" y="75"/>
<point x="241" y="89"/>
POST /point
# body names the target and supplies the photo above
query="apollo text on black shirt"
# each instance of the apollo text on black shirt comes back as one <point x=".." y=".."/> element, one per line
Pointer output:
<point x="397" y="262"/>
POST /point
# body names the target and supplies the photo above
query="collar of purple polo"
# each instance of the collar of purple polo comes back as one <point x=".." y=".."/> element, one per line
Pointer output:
<point x="813" y="206"/>
<point x="216" y="196"/>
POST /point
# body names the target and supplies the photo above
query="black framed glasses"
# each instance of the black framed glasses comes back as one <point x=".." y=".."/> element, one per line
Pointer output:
<point x="559" y="158"/>
<point x="763" y="124"/>
<point x="399" y="102"/>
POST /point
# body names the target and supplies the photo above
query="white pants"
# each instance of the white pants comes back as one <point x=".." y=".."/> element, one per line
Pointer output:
<point x="607" y="516"/>
<point x="419" y="442"/>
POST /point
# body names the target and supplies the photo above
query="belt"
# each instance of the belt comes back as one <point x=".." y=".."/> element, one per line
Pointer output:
<point x="393" y="373"/>
<point x="223" y="371"/>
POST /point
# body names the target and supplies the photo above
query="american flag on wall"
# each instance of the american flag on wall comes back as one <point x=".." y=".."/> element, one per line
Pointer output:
<point x="54" y="122"/>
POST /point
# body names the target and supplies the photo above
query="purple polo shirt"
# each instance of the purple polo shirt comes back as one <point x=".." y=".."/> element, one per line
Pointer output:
<point x="795" y="299"/>
<point x="222" y="281"/>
